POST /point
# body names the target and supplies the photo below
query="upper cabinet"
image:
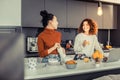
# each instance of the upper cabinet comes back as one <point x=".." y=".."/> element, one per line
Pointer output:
<point x="107" y="20"/>
<point x="31" y="13"/>
<point x="109" y="17"/>
<point x="69" y="13"/>
<point x="76" y="12"/>
<point x="10" y="13"/>
<point x="92" y="13"/>
<point x="58" y="8"/>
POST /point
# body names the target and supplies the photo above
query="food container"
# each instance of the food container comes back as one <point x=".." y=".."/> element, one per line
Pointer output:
<point x="53" y="61"/>
<point x="97" y="65"/>
<point x="71" y="66"/>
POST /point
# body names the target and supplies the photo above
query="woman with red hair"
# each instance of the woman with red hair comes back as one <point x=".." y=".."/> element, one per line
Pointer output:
<point x="86" y="40"/>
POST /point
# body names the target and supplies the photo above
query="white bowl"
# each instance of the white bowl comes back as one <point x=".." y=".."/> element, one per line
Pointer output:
<point x="52" y="61"/>
<point x="71" y="66"/>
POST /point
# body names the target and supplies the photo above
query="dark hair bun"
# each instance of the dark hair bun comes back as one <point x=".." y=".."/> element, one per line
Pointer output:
<point x="43" y="13"/>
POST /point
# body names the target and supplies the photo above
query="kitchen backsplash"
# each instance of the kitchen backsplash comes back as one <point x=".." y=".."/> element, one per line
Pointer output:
<point x="67" y="34"/>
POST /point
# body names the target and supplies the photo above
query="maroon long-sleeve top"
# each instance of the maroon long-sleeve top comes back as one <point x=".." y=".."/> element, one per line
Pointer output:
<point x="46" y="40"/>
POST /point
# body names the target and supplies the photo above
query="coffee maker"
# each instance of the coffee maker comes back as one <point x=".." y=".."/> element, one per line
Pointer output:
<point x="32" y="44"/>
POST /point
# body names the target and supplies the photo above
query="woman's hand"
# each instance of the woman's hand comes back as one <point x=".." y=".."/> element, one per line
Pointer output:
<point x="85" y="42"/>
<point x="57" y="45"/>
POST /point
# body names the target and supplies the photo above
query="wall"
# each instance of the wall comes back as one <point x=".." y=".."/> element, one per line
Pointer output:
<point x="10" y="12"/>
<point x="115" y="37"/>
<point x="102" y="36"/>
<point x="67" y="34"/>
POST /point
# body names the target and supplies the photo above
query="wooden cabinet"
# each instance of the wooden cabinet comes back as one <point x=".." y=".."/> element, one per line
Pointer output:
<point x="107" y="20"/>
<point x="31" y="13"/>
<point x="76" y="12"/>
<point x="58" y="8"/>
<point x="10" y="13"/>
<point x="70" y="13"/>
<point x="92" y="13"/>
<point x="109" y="17"/>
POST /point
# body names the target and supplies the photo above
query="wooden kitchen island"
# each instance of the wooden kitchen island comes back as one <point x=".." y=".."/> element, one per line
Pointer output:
<point x="60" y="72"/>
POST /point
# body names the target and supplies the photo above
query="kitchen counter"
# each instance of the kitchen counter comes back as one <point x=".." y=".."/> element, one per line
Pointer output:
<point x="45" y="71"/>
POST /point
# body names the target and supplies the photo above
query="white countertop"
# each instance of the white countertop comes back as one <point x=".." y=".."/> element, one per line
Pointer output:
<point x="58" y="70"/>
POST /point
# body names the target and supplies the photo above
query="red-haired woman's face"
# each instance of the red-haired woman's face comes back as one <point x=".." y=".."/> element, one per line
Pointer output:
<point x="86" y="26"/>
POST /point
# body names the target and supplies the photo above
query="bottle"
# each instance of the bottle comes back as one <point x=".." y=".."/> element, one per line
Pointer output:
<point x="61" y="53"/>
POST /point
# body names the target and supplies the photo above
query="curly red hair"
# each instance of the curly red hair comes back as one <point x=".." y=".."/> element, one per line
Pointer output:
<point x="93" y="27"/>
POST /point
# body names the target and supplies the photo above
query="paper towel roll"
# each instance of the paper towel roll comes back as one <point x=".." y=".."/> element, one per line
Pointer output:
<point x="61" y="53"/>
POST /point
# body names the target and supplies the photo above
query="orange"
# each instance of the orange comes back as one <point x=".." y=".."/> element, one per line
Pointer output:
<point x="97" y="54"/>
<point x="70" y="62"/>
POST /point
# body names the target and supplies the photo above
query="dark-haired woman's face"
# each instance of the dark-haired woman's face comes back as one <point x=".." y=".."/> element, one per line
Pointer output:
<point x="86" y="26"/>
<point x="54" y="22"/>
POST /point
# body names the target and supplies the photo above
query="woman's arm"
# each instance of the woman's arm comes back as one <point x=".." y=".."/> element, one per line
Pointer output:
<point x="53" y="48"/>
<point x="42" y="51"/>
<point x="78" y="45"/>
<point x="97" y="45"/>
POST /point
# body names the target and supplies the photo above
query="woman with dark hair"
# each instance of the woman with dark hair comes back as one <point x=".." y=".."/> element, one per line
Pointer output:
<point x="86" y="41"/>
<point x="49" y="39"/>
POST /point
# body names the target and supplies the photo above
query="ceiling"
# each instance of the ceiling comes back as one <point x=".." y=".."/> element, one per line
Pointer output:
<point x="115" y="2"/>
<point x="110" y="1"/>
